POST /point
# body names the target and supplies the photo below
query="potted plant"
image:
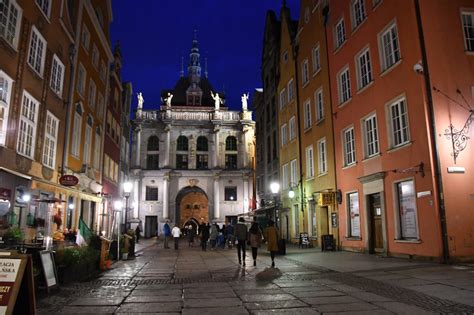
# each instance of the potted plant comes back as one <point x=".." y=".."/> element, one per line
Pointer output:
<point x="13" y="235"/>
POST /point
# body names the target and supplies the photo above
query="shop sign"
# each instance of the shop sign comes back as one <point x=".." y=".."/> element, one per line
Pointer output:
<point x="5" y="194"/>
<point x="68" y="180"/>
<point x="326" y="199"/>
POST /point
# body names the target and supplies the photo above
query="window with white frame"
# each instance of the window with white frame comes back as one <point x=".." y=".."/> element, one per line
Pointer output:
<point x="284" y="134"/>
<point x="37" y="52"/>
<point x="349" y="146"/>
<point x="10" y="19"/>
<point x="318" y="98"/>
<point x="468" y="30"/>
<point x="28" y="123"/>
<point x="81" y="79"/>
<point x="305" y="72"/>
<point x="322" y="157"/>
<point x="316" y="58"/>
<point x="5" y="97"/>
<point x="50" y="140"/>
<point x="45" y="6"/>
<point x="353" y="214"/>
<point x="364" y="68"/>
<point x="389" y="47"/>
<point x="282" y="98"/>
<point x="400" y="134"/>
<point x="407" y="212"/>
<point x="339" y="33"/>
<point x="358" y="12"/>
<point x="95" y="56"/>
<point x="57" y="76"/>
<point x="85" y="38"/>
<point x="309" y="162"/>
<point x="291" y="90"/>
<point x="92" y="94"/>
<point x="76" y="131"/>
<point x="284" y="176"/>
<point x="100" y="105"/>
<point x="371" y="136"/>
<point x="292" y="128"/>
<point x="86" y="159"/>
<point x="307" y="114"/>
<point x="293" y="173"/>
<point x="344" y="85"/>
<point x="97" y="146"/>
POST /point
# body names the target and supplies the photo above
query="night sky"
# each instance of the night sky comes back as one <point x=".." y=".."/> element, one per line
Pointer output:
<point x="154" y="34"/>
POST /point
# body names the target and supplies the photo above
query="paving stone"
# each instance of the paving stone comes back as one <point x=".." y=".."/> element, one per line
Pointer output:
<point x="150" y="308"/>
<point x="371" y="312"/>
<point x="305" y="289"/>
<point x="153" y="298"/>
<point x="293" y="311"/>
<point x="206" y="295"/>
<point x="158" y="286"/>
<point x="369" y="296"/>
<point x="330" y="300"/>
<point x="156" y="292"/>
<point x="215" y="311"/>
<point x="402" y="308"/>
<point x="346" y="307"/>
<point x="304" y="294"/>
<point x="292" y="284"/>
<point x="89" y="301"/>
<point x="274" y="305"/>
<point x="343" y="287"/>
<point x="211" y="302"/>
<point x="265" y="297"/>
<point x="88" y="309"/>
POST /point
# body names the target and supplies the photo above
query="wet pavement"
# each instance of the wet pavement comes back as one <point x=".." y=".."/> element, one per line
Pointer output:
<point x="189" y="281"/>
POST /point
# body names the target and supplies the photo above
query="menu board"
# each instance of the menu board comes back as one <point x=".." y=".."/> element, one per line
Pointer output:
<point x="354" y="213"/>
<point x="49" y="268"/>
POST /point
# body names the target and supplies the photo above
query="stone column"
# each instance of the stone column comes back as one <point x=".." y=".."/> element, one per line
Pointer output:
<point x="136" y="199"/>
<point x="244" y="147"/>
<point x="166" y="182"/>
<point x="138" y="154"/>
<point x="246" y="193"/>
<point x="217" y="212"/>
<point x="215" y="154"/>
<point x="166" y="161"/>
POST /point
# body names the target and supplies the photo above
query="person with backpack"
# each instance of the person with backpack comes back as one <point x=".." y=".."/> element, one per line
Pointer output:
<point x="255" y="240"/>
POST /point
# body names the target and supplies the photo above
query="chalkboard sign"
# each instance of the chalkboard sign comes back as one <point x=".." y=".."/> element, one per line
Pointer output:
<point x="334" y="219"/>
<point x="49" y="269"/>
<point x="328" y="242"/>
<point x="304" y="239"/>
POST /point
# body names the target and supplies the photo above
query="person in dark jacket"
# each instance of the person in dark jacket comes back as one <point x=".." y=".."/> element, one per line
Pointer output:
<point x="167" y="232"/>
<point x="255" y="239"/>
<point x="204" y="231"/>
<point x="137" y="233"/>
<point x="241" y="236"/>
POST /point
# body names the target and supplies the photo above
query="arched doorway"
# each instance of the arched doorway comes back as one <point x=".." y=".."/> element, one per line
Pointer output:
<point x="191" y="206"/>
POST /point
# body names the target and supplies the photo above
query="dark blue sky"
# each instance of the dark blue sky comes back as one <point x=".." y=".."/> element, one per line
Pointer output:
<point x="154" y="34"/>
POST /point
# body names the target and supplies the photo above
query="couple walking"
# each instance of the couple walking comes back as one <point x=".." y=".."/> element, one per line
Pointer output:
<point x="254" y="238"/>
<point x="175" y="232"/>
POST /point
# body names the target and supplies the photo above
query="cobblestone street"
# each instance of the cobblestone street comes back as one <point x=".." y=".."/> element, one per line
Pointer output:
<point x="189" y="281"/>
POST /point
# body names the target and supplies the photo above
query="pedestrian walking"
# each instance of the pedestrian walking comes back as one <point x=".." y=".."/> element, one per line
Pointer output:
<point x="241" y="236"/>
<point x="137" y="233"/>
<point x="271" y="237"/>
<point x="204" y="231"/>
<point x="167" y="232"/>
<point x="191" y="235"/>
<point x="213" y="235"/>
<point x="176" y="232"/>
<point x="230" y="236"/>
<point x="255" y="240"/>
<point x="224" y="236"/>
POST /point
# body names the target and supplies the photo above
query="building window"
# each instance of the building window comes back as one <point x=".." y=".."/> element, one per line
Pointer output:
<point x="284" y="176"/>
<point x="45" y="6"/>
<point x="182" y="144"/>
<point x="353" y="214"/>
<point x="230" y="193"/>
<point x="339" y="33"/>
<point x="28" y="123"/>
<point x="294" y="178"/>
<point x="292" y="128"/>
<point x="95" y="56"/>
<point x="358" y="12"/>
<point x="50" y="140"/>
<point x="202" y="144"/>
<point x="389" y="47"/>
<point x="309" y="162"/>
<point x="10" y="19"/>
<point x="102" y="71"/>
<point x="468" y="30"/>
<point x="100" y="105"/>
<point x="314" y="226"/>
<point x="307" y="114"/>
<point x="322" y="157"/>
<point x="364" y="68"/>
<point x="399" y="123"/>
<point x="81" y="79"/>
<point x="151" y="193"/>
<point x="284" y="134"/>
<point x="87" y="141"/>
<point x="349" y="146"/>
<point x="291" y="90"/>
<point x="231" y="152"/>
<point x="153" y="144"/>
<point x="5" y="96"/>
<point x="282" y="98"/>
<point x="318" y="96"/>
<point x="152" y="158"/>
<point x="182" y="161"/>
<point x="231" y="143"/>
<point x="371" y="136"/>
<point x="275" y="145"/>
<point x="97" y="147"/>
<point x="231" y="161"/>
<point x="407" y="212"/>
<point x="202" y="161"/>
<point x="37" y="52"/>
<point x="305" y="72"/>
<point x="76" y="131"/>
<point x="92" y="94"/>
<point x="152" y="161"/>
<point x="316" y="58"/>
<point x="344" y="86"/>
<point x="57" y="76"/>
<point x="86" y="38"/>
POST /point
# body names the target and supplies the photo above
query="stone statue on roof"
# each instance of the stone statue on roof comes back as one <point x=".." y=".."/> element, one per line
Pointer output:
<point x="245" y="98"/>
<point x="217" y="100"/>
<point x="140" y="100"/>
<point x="168" y="100"/>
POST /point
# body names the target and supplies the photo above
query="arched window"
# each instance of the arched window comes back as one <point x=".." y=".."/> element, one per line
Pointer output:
<point x="153" y="144"/>
<point x="182" y="157"/>
<point x="182" y="143"/>
<point x="202" y="144"/>
<point x="231" y="143"/>
<point x="202" y="158"/>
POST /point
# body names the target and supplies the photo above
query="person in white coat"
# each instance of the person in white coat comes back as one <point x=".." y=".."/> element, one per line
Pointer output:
<point x="176" y="232"/>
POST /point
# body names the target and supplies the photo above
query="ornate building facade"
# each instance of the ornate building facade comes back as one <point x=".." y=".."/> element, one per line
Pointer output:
<point x="192" y="158"/>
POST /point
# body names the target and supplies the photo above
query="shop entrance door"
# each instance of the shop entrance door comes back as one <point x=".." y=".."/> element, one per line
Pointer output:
<point x="151" y="225"/>
<point x="376" y="232"/>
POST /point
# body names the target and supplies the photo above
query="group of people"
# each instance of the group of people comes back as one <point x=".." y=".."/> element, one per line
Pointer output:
<point x="219" y="237"/>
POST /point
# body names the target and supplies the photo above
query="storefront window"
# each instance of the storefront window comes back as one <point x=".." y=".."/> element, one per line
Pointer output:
<point x="407" y="210"/>
<point x="354" y="214"/>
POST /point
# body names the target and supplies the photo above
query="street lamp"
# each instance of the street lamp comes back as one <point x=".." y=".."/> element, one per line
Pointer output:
<point x="291" y="193"/>
<point x="118" y="204"/>
<point x="127" y="189"/>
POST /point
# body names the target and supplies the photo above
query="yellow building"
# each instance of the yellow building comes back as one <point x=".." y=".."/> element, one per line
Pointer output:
<point x="316" y="138"/>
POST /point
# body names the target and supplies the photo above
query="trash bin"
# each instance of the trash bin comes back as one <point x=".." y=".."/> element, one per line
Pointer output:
<point x="282" y="246"/>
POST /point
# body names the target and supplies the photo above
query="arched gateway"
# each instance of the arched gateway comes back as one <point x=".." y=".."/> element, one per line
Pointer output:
<point x="192" y="206"/>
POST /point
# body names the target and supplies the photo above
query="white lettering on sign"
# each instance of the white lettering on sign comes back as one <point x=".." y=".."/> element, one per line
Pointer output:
<point x="9" y="269"/>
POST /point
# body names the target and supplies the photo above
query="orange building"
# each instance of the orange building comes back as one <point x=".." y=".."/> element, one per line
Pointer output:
<point x="406" y="187"/>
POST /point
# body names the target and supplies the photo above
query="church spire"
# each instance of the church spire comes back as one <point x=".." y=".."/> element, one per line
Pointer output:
<point x="194" y="67"/>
